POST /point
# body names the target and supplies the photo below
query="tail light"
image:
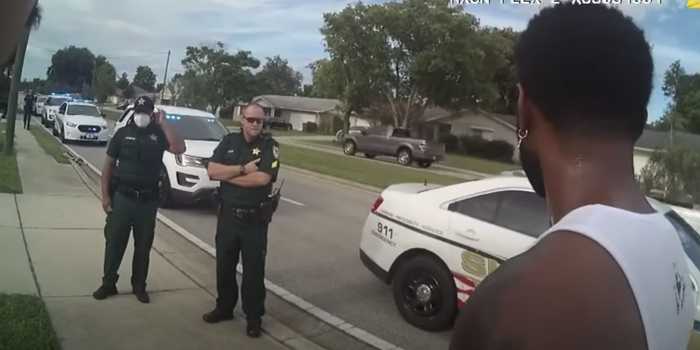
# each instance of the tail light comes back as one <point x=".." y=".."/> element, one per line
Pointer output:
<point x="376" y="204"/>
<point x="423" y="145"/>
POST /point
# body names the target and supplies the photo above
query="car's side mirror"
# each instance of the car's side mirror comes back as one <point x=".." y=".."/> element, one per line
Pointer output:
<point x="104" y="115"/>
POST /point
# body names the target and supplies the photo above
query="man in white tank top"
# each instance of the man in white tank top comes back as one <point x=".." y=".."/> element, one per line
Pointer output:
<point x="611" y="273"/>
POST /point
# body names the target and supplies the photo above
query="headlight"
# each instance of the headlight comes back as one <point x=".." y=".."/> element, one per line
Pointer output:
<point x="105" y="127"/>
<point x="190" y="161"/>
<point x="70" y="125"/>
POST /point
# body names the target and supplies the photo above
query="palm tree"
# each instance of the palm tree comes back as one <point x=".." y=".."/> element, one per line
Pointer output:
<point x="33" y="22"/>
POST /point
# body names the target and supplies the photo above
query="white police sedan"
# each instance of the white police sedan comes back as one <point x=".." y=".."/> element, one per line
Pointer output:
<point x="80" y="121"/>
<point x="434" y="244"/>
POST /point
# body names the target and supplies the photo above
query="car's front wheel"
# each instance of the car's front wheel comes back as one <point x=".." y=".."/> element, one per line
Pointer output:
<point x="425" y="293"/>
<point x="54" y="131"/>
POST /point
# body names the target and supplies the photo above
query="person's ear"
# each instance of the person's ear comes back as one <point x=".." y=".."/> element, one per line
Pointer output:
<point x="522" y="109"/>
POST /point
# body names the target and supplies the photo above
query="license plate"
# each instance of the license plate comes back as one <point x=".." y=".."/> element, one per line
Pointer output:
<point x="90" y="137"/>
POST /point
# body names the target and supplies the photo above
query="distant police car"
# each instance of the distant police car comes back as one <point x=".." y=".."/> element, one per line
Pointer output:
<point x="78" y="120"/>
<point x="50" y="107"/>
<point x="39" y="104"/>
<point x="184" y="177"/>
<point x="434" y="244"/>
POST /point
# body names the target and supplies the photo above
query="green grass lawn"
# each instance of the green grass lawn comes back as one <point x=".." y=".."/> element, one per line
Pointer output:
<point x="452" y="160"/>
<point x="25" y="324"/>
<point x="10" y="181"/>
<point x="356" y="169"/>
<point x="50" y="145"/>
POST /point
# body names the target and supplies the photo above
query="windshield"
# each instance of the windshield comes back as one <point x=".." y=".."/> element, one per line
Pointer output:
<point x="90" y="111"/>
<point x="689" y="237"/>
<point x="197" y="128"/>
<point x="56" y="101"/>
<point x="41" y="99"/>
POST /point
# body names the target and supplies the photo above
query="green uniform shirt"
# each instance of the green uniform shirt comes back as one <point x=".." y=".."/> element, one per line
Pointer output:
<point x="234" y="149"/>
<point x="140" y="155"/>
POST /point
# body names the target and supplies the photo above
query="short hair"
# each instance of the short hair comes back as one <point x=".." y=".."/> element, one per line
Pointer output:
<point x="586" y="67"/>
<point x="251" y="105"/>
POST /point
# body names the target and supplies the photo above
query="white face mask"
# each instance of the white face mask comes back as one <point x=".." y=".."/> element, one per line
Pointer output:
<point x="142" y="120"/>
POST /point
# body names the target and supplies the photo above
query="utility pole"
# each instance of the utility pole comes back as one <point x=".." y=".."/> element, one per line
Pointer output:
<point x="165" y="78"/>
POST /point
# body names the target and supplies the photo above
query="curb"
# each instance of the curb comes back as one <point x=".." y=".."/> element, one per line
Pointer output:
<point x="280" y="332"/>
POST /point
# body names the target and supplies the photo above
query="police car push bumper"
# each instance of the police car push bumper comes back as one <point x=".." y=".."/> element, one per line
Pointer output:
<point x="189" y="181"/>
<point x="85" y="132"/>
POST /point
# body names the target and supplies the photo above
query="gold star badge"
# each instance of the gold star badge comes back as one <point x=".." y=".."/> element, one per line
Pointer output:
<point x="256" y="151"/>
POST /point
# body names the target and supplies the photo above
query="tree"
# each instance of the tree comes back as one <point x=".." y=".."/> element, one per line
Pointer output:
<point x="277" y="78"/>
<point x="673" y="169"/>
<point x="123" y="81"/>
<point x="216" y="78"/>
<point x="129" y="92"/>
<point x="683" y="109"/>
<point x="33" y="22"/>
<point x="73" y="67"/>
<point x="413" y="54"/>
<point x="105" y="81"/>
<point x="145" y="78"/>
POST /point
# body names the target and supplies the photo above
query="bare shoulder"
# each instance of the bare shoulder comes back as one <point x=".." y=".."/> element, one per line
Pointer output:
<point x="565" y="292"/>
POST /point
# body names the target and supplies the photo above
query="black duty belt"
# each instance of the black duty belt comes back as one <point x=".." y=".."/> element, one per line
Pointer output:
<point x="138" y="193"/>
<point x="241" y="213"/>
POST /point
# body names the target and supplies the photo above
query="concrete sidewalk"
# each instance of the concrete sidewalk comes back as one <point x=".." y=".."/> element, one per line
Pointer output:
<point x="51" y="244"/>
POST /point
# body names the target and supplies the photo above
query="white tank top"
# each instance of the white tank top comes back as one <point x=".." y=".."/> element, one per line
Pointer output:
<point x="649" y="252"/>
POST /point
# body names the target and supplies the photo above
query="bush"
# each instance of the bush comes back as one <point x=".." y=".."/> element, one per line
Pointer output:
<point x="226" y="112"/>
<point x="310" y="127"/>
<point x="477" y="146"/>
<point x="451" y="143"/>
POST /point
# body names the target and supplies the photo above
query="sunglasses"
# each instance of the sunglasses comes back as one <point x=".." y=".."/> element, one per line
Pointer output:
<point x="252" y="120"/>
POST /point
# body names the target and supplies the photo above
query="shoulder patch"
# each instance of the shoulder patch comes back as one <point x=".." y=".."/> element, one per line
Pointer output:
<point x="276" y="151"/>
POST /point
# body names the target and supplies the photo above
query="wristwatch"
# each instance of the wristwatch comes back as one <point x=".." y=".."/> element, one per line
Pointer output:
<point x="242" y="169"/>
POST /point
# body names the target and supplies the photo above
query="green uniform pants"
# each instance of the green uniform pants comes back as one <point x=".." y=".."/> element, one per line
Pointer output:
<point x="249" y="240"/>
<point x="128" y="214"/>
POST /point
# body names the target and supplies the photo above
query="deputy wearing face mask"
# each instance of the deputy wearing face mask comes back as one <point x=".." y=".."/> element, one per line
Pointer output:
<point x="131" y="193"/>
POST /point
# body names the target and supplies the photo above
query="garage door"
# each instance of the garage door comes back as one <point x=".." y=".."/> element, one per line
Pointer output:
<point x="297" y="119"/>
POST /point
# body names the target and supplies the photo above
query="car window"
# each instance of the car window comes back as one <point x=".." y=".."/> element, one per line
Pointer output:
<point x="86" y="110"/>
<point x="62" y="109"/>
<point x="482" y="207"/>
<point x="127" y="113"/>
<point x="55" y="101"/>
<point x="689" y="237"/>
<point x="522" y="211"/>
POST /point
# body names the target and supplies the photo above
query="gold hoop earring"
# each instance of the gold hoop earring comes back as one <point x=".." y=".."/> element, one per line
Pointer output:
<point x="522" y="134"/>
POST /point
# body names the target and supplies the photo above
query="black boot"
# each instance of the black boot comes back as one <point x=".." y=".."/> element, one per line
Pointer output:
<point x="104" y="292"/>
<point x="217" y="315"/>
<point x="142" y="296"/>
<point x="254" y="328"/>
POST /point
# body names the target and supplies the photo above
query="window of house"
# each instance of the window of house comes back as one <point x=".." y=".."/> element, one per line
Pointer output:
<point x="484" y="133"/>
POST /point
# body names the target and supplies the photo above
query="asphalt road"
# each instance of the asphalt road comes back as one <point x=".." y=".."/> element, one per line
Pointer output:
<point x="313" y="253"/>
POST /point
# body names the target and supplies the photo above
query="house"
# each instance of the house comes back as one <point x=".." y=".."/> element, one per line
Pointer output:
<point x="300" y="110"/>
<point x="491" y="126"/>
<point x="169" y="95"/>
<point x="119" y="95"/>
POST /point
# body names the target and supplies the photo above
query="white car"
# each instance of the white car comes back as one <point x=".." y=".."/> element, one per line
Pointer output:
<point x="434" y="243"/>
<point x="184" y="177"/>
<point x="80" y="121"/>
<point x="39" y="104"/>
<point x="50" y="108"/>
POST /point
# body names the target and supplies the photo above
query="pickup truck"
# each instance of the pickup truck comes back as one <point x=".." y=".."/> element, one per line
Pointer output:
<point x="394" y="142"/>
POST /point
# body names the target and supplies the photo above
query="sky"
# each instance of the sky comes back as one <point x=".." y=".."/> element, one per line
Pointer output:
<point x="141" y="32"/>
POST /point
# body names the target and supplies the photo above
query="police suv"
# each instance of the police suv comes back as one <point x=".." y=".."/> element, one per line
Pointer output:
<point x="50" y="107"/>
<point x="184" y="177"/>
<point x="79" y="120"/>
<point x="434" y="244"/>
